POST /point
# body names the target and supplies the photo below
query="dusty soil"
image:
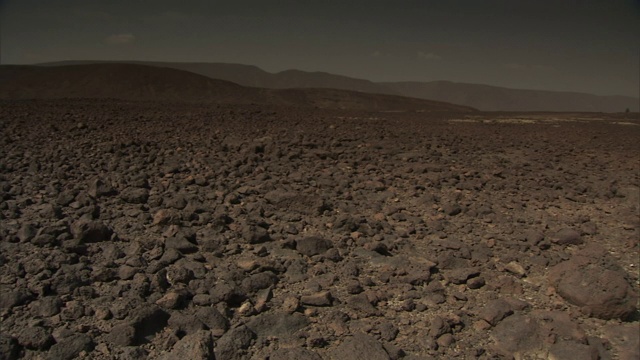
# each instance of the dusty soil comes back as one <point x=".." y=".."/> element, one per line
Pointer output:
<point x="146" y="230"/>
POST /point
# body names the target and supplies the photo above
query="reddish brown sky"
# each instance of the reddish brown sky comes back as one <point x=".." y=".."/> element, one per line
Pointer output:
<point x="578" y="45"/>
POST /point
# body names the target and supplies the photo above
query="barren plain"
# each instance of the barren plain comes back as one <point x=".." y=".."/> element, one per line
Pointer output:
<point x="134" y="230"/>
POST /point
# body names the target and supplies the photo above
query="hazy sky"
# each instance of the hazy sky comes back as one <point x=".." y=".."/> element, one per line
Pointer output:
<point x="580" y="45"/>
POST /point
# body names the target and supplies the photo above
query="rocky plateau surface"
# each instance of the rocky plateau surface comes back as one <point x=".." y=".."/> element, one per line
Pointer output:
<point x="168" y="231"/>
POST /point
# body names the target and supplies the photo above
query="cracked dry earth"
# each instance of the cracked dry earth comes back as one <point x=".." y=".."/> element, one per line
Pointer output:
<point x="167" y="231"/>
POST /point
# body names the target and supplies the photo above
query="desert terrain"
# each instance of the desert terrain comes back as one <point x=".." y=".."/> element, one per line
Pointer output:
<point x="300" y="225"/>
<point x="479" y="96"/>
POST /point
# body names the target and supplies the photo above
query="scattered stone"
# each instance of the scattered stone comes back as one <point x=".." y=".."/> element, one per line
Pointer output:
<point x="99" y="188"/>
<point x="572" y="350"/>
<point x="127" y="352"/>
<point x="126" y="272"/>
<point x="460" y="276"/>
<point x="213" y="319"/>
<point x="172" y="300"/>
<point x="122" y="335"/>
<point x="201" y="299"/>
<point x="147" y="321"/>
<point x="598" y="291"/>
<point x="185" y="324"/>
<point x="475" y="283"/>
<point x="495" y="311"/>
<point x="178" y="274"/>
<point x="361" y="304"/>
<point x="226" y="232"/>
<point x="294" y="353"/>
<point x="262" y="298"/>
<point x="247" y="264"/>
<point x="322" y="298"/>
<point x="27" y="232"/>
<point x="35" y="338"/>
<point x="291" y="304"/>
<point x="70" y="347"/>
<point x="177" y="202"/>
<point x="359" y="347"/>
<point x="246" y="309"/>
<point x="91" y="231"/>
<point x="625" y="338"/>
<point x="560" y="325"/>
<point x="451" y="209"/>
<point x="47" y="306"/>
<point x="313" y="245"/>
<point x="278" y="324"/>
<point x="259" y="281"/>
<point x="43" y="239"/>
<point x="354" y="287"/>
<point x="196" y="346"/>
<point x="135" y="195"/>
<point x="255" y="234"/>
<point x="9" y="347"/>
<point x="445" y="340"/>
<point x="180" y="243"/>
<point x="233" y="345"/>
<point x="567" y="237"/>
<point x="534" y="237"/>
<point x="165" y="217"/>
<point x="438" y="327"/>
<point x="10" y="299"/>
<point x="516" y="269"/>
<point x="388" y="331"/>
<point x="518" y="336"/>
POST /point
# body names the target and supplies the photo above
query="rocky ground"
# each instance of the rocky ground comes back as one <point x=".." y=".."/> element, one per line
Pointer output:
<point x="164" y="231"/>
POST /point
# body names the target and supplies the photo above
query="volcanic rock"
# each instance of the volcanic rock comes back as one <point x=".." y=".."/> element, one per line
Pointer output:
<point x="185" y="324"/>
<point x="122" y="335"/>
<point x="277" y="325"/>
<point x="196" y="346"/>
<point x="257" y="230"/>
<point x="323" y="298"/>
<point x="135" y="195"/>
<point x="10" y="299"/>
<point x="213" y="319"/>
<point x="568" y="237"/>
<point x="572" y="350"/>
<point x="313" y="245"/>
<point x="518" y="335"/>
<point x="359" y="347"/>
<point x="9" y="347"/>
<point x="626" y="337"/>
<point x="598" y="291"/>
<point x="234" y="343"/>
<point x="294" y="354"/>
<point x="91" y="231"/>
<point x="35" y="337"/>
<point x="70" y="347"/>
<point x="99" y="188"/>
<point x="495" y="311"/>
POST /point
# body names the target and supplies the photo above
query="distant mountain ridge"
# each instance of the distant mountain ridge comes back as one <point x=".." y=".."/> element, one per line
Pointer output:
<point x="249" y="75"/>
<point x="134" y="82"/>
<point x="482" y="97"/>
<point x="494" y="98"/>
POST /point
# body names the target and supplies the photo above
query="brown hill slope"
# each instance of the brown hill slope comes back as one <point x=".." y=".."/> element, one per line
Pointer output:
<point x="305" y="79"/>
<point x="353" y="100"/>
<point x="249" y="75"/>
<point x="494" y="98"/>
<point x="483" y="97"/>
<point x="149" y="83"/>
<point x="117" y="81"/>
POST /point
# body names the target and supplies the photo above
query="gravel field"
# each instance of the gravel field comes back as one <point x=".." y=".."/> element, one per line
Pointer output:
<point x="135" y="230"/>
